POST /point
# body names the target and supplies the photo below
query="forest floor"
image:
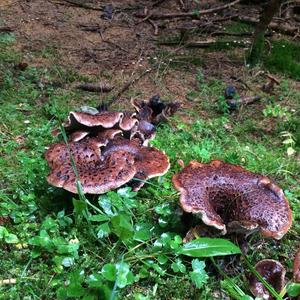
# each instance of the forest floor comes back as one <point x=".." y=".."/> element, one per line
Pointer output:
<point x="48" y="246"/>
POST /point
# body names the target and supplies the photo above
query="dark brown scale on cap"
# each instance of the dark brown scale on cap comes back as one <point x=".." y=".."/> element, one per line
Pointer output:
<point x="228" y="196"/>
<point x="149" y="161"/>
<point x="96" y="178"/>
<point x="273" y="272"/>
<point x="81" y="120"/>
<point x="86" y="150"/>
<point x="296" y="269"/>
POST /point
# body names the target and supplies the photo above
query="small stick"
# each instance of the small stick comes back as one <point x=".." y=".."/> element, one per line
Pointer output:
<point x="154" y="25"/>
<point x="189" y="14"/>
<point x="95" y="87"/>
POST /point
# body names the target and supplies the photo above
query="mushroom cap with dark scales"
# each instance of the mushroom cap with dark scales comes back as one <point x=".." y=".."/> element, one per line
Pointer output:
<point x="273" y="272"/>
<point x="227" y="195"/>
<point x="81" y="120"/>
<point x="296" y="268"/>
<point x="98" y="177"/>
<point x="86" y="150"/>
<point x="149" y="161"/>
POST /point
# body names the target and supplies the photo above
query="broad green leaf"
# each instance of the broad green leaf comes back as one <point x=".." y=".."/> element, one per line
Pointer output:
<point x="199" y="275"/>
<point x="75" y="290"/>
<point x="293" y="289"/>
<point x="79" y="206"/>
<point x="105" y="204"/>
<point x="99" y="218"/>
<point x="11" y="239"/>
<point x="162" y="259"/>
<point x="124" y="275"/>
<point x="3" y="232"/>
<point x="122" y="226"/>
<point x="142" y="232"/>
<point x="109" y="272"/>
<point x="103" y="230"/>
<point x="178" y="266"/>
<point x="207" y="247"/>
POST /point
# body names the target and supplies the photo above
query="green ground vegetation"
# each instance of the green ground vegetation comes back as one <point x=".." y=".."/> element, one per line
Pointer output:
<point x="126" y="245"/>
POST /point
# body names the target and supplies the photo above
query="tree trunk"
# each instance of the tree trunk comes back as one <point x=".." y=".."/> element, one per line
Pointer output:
<point x="267" y="15"/>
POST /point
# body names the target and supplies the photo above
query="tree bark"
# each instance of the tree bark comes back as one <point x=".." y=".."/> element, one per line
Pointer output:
<point x="267" y="15"/>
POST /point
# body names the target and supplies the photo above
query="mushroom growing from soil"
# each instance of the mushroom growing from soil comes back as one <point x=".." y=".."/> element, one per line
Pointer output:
<point x="296" y="268"/>
<point x="273" y="272"/>
<point x="109" y="149"/>
<point x="229" y="197"/>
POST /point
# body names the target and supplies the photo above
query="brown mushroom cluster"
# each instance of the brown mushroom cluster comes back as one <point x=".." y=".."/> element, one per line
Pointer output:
<point x="109" y="149"/>
<point x="231" y="198"/>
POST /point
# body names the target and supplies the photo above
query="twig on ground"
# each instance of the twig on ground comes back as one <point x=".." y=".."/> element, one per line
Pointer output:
<point x="284" y="28"/>
<point x="194" y="14"/>
<point x="95" y="87"/>
<point x="208" y="43"/>
<point x="249" y="99"/>
<point x="6" y="29"/>
<point x="154" y="25"/>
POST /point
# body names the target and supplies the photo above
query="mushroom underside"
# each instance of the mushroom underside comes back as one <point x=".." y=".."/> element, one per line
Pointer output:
<point x="273" y="272"/>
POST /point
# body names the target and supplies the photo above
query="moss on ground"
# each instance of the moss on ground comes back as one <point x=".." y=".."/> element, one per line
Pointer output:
<point x="57" y="257"/>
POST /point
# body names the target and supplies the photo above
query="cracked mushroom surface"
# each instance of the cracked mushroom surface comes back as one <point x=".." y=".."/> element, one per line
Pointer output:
<point x="149" y="161"/>
<point x="230" y="197"/>
<point x="96" y="176"/>
<point x="273" y="272"/>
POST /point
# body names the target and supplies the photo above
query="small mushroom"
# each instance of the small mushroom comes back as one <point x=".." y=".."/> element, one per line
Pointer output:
<point x="273" y="272"/>
<point x="229" y="197"/>
<point x="296" y="269"/>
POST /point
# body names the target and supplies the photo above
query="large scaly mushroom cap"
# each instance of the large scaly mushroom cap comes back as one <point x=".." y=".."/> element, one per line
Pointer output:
<point x="228" y="195"/>
<point x="273" y="272"/>
<point x="87" y="150"/>
<point x="96" y="175"/>
<point x="149" y="161"/>
<point x="296" y="269"/>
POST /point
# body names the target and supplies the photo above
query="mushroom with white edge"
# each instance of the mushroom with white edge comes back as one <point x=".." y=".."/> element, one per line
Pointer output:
<point x="229" y="197"/>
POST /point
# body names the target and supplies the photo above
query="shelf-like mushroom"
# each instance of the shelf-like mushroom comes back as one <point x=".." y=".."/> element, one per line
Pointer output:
<point x="103" y="119"/>
<point x="273" y="272"/>
<point x="296" y="269"/>
<point x="230" y="197"/>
